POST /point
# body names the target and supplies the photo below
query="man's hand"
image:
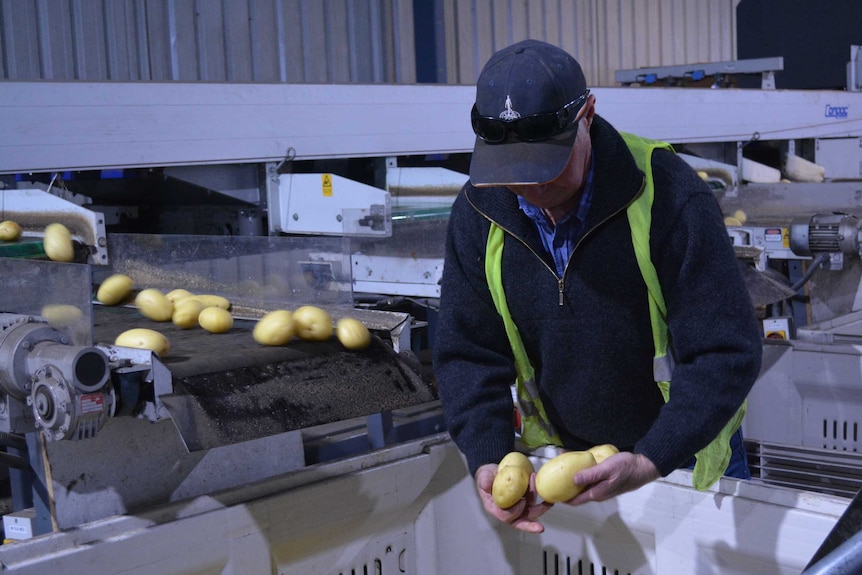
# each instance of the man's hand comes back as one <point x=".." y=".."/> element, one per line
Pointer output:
<point x="614" y="476"/>
<point x="523" y="514"/>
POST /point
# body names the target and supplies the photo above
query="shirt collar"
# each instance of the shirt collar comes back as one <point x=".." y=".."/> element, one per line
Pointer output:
<point x="580" y="212"/>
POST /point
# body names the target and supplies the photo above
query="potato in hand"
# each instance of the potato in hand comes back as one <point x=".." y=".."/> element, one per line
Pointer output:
<point x="512" y="479"/>
<point x="555" y="480"/>
<point x="603" y="451"/>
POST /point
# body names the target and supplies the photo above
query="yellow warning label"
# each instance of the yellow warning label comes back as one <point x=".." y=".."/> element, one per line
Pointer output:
<point x="326" y="181"/>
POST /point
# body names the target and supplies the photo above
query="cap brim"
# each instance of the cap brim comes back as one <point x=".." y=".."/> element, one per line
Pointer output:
<point x="521" y="163"/>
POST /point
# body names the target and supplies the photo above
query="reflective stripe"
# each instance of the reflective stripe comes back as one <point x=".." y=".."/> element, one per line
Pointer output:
<point x="713" y="459"/>
<point x="537" y="429"/>
<point x="662" y="367"/>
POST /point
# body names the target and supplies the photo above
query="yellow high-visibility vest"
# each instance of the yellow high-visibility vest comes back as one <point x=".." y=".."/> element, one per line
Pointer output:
<point x="537" y="430"/>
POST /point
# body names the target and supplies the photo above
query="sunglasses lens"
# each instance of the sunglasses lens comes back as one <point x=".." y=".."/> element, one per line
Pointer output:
<point x="535" y="128"/>
<point x="489" y="129"/>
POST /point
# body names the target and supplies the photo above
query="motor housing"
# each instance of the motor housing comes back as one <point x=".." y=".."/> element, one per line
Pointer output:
<point x="64" y="390"/>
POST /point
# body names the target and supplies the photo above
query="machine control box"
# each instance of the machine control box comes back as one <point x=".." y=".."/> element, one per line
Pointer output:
<point x="19" y="525"/>
<point x="778" y="328"/>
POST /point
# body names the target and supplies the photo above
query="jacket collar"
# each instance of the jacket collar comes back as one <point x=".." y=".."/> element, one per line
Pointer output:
<point x="617" y="182"/>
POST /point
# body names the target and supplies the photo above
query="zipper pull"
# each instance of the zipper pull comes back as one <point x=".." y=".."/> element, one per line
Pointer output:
<point x="560" y="285"/>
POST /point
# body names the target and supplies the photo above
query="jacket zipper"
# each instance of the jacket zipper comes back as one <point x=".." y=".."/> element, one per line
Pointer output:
<point x="561" y="282"/>
<point x="592" y="229"/>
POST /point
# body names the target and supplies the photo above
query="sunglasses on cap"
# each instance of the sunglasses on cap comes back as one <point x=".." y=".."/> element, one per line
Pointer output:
<point x="533" y="128"/>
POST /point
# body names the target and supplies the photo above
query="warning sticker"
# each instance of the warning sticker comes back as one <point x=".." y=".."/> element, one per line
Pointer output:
<point x="326" y="182"/>
<point x="92" y="403"/>
<point x="772" y="235"/>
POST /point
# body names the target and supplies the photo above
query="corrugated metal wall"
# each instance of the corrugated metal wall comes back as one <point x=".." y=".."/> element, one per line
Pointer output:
<point x="311" y="41"/>
<point x="343" y="41"/>
<point x="604" y="35"/>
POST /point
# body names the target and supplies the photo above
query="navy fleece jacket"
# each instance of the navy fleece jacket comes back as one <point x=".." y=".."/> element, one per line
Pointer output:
<point x="593" y="355"/>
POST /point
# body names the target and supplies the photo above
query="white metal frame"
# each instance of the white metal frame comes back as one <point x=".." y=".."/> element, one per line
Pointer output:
<point x="120" y="125"/>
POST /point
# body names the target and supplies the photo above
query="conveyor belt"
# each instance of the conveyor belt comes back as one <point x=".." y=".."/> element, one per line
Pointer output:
<point x="25" y="248"/>
<point x="228" y="388"/>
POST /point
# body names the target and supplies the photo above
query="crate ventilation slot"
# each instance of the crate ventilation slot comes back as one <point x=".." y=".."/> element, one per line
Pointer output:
<point x="555" y="564"/>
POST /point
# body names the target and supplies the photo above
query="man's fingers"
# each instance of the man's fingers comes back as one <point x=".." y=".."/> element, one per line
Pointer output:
<point x="528" y="526"/>
<point x="537" y="510"/>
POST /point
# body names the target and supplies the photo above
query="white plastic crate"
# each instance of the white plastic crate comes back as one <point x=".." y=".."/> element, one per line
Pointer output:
<point x="412" y="509"/>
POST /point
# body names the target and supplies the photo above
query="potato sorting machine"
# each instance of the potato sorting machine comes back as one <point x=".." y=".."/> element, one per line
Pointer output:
<point x="224" y="456"/>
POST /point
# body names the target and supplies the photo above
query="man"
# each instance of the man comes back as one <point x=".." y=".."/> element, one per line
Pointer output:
<point x="553" y="195"/>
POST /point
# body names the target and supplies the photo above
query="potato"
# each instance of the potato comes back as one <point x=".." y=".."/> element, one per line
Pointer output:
<point x="517" y="459"/>
<point x="115" y="289"/>
<point x="154" y="305"/>
<point x="510" y="485"/>
<point x="58" y="243"/>
<point x="215" y="319"/>
<point x="9" y="231"/>
<point x="352" y="333"/>
<point x="210" y="300"/>
<point x="312" y="323"/>
<point x="512" y="480"/>
<point x="142" y="338"/>
<point x="186" y="313"/>
<point x="741" y="216"/>
<point x="555" y="480"/>
<point x="62" y="315"/>
<point x="177" y="294"/>
<point x="602" y="452"/>
<point x="274" y="328"/>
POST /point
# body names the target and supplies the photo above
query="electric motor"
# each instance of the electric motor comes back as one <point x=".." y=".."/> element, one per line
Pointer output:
<point x="825" y="233"/>
<point x="67" y="387"/>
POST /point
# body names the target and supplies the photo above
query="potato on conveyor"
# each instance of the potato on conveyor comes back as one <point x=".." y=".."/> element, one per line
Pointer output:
<point x="115" y="289"/>
<point x="186" y="313"/>
<point x="154" y="305"/>
<point x="274" y="328"/>
<point x="142" y="338"/>
<point x="58" y="243"/>
<point x="215" y="319"/>
<point x="210" y="300"/>
<point x="352" y="333"/>
<point x="177" y="294"/>
<point x="9" y="231"/>
<point x="312" y="323"/>
<point x="62" y="315"/>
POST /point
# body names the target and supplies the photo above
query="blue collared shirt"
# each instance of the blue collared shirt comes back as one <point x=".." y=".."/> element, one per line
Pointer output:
<point x="559" y="240"/>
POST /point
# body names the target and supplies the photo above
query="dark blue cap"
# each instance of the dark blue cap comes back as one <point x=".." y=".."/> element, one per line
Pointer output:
<point x="530" y="77"/>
